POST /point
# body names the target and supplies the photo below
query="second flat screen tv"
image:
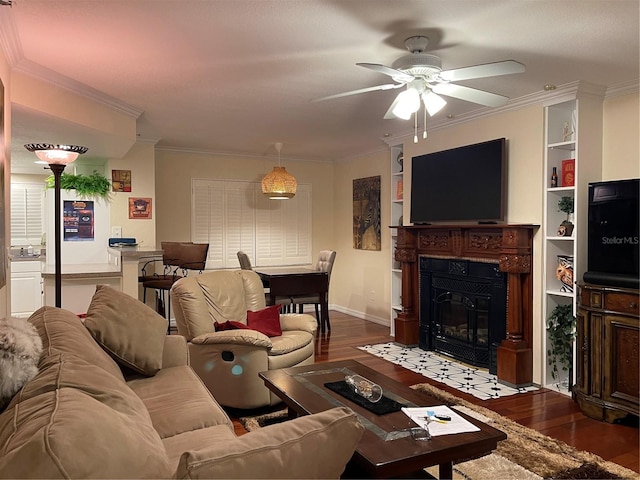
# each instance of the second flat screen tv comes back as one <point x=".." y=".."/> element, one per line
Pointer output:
<point x="464" y="184"/>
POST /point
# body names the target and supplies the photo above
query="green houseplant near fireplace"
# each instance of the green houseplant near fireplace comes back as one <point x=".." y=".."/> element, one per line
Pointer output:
<point x="561" y="331"/>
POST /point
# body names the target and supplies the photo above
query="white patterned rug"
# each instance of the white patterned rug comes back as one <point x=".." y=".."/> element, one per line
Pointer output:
<point x="472" y="380"/>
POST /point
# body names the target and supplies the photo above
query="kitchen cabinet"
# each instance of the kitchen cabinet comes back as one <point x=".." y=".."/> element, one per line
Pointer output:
<point x="26" y="287"/>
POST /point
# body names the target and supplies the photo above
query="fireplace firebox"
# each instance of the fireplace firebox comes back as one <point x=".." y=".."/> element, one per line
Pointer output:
<point x="463" y="309"/>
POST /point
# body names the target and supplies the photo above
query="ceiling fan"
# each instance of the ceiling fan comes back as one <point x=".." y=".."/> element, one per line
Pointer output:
<point x="425" y="80"/>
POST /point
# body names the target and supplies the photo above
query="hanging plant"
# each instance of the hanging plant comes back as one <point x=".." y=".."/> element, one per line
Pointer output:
<point x="561" y="326"/>
<point x="94" y="185"/>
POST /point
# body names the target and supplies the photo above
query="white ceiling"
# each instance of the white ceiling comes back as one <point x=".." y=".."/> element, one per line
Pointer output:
<point x="237" y="75"/>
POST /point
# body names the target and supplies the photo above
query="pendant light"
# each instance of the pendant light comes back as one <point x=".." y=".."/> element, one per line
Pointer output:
<point x="279" y="184"/>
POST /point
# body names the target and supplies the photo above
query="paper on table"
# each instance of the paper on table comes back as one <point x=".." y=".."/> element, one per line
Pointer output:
<point x="457" y="424"/>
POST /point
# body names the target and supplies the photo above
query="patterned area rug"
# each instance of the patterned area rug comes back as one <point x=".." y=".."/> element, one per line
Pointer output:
<point x="524" y="455"/>
<point x="472" y="380"/>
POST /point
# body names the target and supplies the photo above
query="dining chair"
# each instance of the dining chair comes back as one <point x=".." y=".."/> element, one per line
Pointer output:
<point x="245" y="264"/>
<point x="178" y="258"/>
<point x="325" y="262"/>
<point x="245" y="261"/>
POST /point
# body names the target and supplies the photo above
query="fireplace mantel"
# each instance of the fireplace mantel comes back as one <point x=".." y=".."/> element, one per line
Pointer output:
<point x="508" y="244"/>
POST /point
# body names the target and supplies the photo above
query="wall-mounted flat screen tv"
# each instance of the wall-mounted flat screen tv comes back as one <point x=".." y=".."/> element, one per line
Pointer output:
<point x="464" y="184"/>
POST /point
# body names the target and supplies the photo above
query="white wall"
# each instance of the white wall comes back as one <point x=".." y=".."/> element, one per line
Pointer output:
<point x="141" y="161"/>
<point x="174" y="171"/>
<point x="621" y="147"/>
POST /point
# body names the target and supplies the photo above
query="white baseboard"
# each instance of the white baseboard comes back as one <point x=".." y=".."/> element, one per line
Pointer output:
<point x="362" y="315"/>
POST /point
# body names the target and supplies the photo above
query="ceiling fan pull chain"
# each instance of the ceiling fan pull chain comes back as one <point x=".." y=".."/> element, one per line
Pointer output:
<point x="424" y="134"/>
<point x="415" y="127"/>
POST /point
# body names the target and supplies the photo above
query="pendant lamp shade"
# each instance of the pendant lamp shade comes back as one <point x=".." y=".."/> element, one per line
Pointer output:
<point x="279" y="184"/>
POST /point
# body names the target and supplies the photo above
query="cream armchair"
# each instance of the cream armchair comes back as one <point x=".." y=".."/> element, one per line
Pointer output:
<point x="228" y="362"/>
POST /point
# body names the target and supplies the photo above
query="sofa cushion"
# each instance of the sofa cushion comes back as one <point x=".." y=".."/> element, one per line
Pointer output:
<point x="230" y="325"/>
<point x="128" y="329"/>
<point x="73" y="421"/>
<point x="322" y="444"/>
<point x="178" y="401"/>
<point x="266" y="320"/>
<point x="61" y="331"/>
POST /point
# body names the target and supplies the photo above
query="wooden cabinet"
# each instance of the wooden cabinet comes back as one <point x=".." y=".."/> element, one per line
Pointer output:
<point x="608" y="334"/>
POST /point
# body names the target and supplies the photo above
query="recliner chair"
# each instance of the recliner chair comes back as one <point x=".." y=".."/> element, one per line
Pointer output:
<point x="228" y="362"/>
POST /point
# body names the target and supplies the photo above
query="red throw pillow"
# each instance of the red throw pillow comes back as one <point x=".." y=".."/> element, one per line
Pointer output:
<point x="230" y="325"/>
<point x="266" y="321"/>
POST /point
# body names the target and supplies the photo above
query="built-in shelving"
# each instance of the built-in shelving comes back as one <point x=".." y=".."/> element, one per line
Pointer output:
<point x="570" y="134"/>
<point x="397" y="206"/>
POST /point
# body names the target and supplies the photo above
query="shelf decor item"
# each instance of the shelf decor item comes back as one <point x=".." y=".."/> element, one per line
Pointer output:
<point x="568" y="171"/>
<point x="564" y="272"/>
<point x="561" y="331"/>
<point x="400" y="160"/>
<point x="565" y="204"/>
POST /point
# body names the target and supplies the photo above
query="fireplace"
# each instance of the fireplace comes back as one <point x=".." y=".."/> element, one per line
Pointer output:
<point x="510" y="247"/>
<point x="462" y="309"/>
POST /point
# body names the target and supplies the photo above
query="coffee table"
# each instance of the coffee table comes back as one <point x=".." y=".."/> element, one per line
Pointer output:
<point x="386" y="449"/>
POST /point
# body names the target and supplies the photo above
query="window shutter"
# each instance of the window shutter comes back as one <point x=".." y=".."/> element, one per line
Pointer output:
<point x="27" y="203"/>
<point x="207" y="209"/>
<point x="235" y="215"/>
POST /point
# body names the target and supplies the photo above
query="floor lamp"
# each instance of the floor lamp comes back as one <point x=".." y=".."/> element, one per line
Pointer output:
<point x="57" y="157"/>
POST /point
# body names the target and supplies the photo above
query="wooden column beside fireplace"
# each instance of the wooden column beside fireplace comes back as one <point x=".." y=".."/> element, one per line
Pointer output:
<point x="511" y="247"/>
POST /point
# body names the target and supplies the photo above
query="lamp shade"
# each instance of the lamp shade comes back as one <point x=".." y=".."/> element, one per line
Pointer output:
<point x="279" y="184"/>
<point x="433" y="102"/>
<point x="408" y="102"/>
<point x="56" y="154"/>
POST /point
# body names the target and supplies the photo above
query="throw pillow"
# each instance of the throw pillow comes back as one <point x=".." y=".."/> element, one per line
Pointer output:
<point x="20" y="350"/>
<point x="230" y="325"/>
<point x="266" y="321"/>
<point x="128" y="329"/>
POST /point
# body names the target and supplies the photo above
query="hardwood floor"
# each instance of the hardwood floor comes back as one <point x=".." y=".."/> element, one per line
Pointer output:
<point x="546" y="411"/>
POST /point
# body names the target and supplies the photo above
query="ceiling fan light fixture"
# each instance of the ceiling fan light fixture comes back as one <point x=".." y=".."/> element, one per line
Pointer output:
<point x="279" y="184"/>
<point x="433" y="102"/>
<point x="407" y="104"/>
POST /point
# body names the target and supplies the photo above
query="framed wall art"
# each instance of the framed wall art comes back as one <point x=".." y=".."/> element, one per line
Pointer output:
<point x="366" y="214"/>
<point x="140" y="208"/>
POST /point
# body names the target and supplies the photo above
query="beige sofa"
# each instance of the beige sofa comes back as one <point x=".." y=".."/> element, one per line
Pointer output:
<point x="228" y="362"/>
<point x="140" y="411"/>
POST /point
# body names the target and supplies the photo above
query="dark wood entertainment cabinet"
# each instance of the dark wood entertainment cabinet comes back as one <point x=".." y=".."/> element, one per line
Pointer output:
<point x="511" y="247"/>
<point x="608" y="332"/>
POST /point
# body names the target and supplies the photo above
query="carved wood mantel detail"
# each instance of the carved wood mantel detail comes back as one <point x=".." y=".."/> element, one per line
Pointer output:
<point x="511" y="246"/>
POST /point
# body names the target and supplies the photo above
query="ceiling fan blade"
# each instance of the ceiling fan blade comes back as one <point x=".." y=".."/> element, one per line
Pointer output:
<point x="388" y="86"/>
<point x="397" y="75"/>
<point x="470" y="94"/>
<point x="481" y="71"/>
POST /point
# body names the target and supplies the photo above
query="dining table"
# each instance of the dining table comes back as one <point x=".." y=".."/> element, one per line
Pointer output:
<point x="298" y="281"/>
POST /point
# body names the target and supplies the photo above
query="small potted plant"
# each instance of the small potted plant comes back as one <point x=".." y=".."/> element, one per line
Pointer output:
<point x="565" y="204"/>
<point x="561" y="331"/>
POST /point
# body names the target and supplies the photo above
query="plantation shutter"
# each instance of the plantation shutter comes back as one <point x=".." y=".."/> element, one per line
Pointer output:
<point x="235" y="215"/>
<point x="27" y="207"/>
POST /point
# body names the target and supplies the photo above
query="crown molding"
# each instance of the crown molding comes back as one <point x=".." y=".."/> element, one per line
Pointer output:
<point x="56" y="79"/>
<point x="623" y="88"/>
